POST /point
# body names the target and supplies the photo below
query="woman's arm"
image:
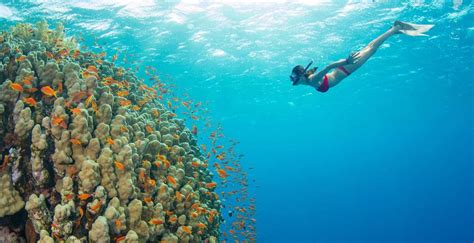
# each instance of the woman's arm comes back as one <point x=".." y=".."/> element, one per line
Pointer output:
<point x="350" y="60"/>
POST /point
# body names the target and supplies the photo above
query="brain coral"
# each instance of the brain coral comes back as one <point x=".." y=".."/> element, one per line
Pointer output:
<point x="90" y="150"/>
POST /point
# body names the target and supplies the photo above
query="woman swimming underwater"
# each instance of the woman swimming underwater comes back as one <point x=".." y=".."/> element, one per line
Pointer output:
<point x="324" y="79"/>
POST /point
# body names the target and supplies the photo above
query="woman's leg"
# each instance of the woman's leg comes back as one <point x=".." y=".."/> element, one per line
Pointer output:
<point x="370" y="49"/>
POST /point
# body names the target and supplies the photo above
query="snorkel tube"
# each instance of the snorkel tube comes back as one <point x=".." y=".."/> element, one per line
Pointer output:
<point x="307" y="66"/>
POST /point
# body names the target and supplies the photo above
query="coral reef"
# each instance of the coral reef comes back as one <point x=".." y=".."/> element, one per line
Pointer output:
<point x="92" y="150"/>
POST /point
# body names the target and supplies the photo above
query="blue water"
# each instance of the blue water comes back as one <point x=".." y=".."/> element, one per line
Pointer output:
<point x="385" y="156"/>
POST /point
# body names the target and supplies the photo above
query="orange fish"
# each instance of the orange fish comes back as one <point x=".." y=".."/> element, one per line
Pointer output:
<point x="151" y="182"/>
<point x="84" y="196"/>
<point x="195" y="130"/>
<point x="76" y="54"/>
<point x="49" y="55"/>
<point x="16" y="87"/>
<point x="92" y="69"/>
<point x="201" y="225"/>
<point x="156" y="221"/>
<point x="156" y="113"/>
<point x="30" y="101"/>
<point x="211" y="185"/>
<point x="222" y="173"/>
<point x="58" y="121"/>
<point x="89" y="100"/>
<point x="179" y="196"/>
<point x="148" y="199"/>
<point x="125" y="102"/>
<point x="96" y="206"/>
<point x="122" y="93"/>
<point x="119" y="165"/>
<point x="27" y="80"/>
<point x="75" y="141"/>
<point x="114" y="57"/>
<point x="21" y="59"/>
<point x="186" y="229"/>
<point x="123" y="129"/>
<point x="149" y="128"/>
<point x="118" y="223"/>
<point x="136" y="108"/>
<point x="75" y="110"/>
<point x="169" y="104"/>
<point x="110" y="141"/>
<point x="48" y="91"/>
<point x="173" y="219"/>
<point x="195" y="164"/>
<point x="60" y="87"/>
<point x="171" y="179"/>
<point x="69" y="196"/>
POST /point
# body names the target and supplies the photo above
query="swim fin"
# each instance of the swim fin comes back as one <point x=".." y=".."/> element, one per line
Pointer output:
<point x="413" y="29"/>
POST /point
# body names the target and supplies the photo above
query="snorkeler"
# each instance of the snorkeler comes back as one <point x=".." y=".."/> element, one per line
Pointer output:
<point x="324" y="79"/>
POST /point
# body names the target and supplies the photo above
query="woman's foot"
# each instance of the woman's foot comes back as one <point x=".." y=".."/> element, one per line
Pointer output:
<point x="399" y="25"/>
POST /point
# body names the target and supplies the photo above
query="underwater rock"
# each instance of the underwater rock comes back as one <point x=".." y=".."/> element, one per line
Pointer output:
<point x="93" y="150"/>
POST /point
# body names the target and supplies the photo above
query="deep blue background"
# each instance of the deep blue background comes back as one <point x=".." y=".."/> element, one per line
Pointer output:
<point x="386" y="156"/>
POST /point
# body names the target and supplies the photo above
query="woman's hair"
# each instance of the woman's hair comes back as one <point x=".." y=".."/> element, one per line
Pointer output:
<point x="298" y="70"/>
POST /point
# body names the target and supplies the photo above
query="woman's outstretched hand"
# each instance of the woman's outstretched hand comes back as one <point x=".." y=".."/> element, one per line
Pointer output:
<point x="353" y="58"/>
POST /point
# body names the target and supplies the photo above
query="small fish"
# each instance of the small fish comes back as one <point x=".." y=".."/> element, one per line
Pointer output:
<point x="89" y="100"/>
<point x="186" y="229"/>
<point x="21" y="59"/>
<point x="201" y="225"/>
<point x="149" y="128"/>
<point x="16" y="87"/>
<point x="211" y="185"/>
<point x="30" y="101"/>
<point x="156" y="113"/>
<point x="179" y="196"/>
<point x="27" y="80"/>
<point x="60" y="87"/>
<point x="120" y="238"/>
<point x="171" y="179"/>
<point x="96" y="206"/>
<point x="84" y="196"/>
<point x="122" y="93"/>
<point x="76" y="54"/>
<point x="148" y="199"/>
<point x="156" y="221"/>
<point x="75" y="141"/>
<point x="136" y="108"/>
<point x="125" y="102"/>
<point x="151" y="182"/>
<point x="195" y="164"/>
<point x="70" y="196"/>
<point x="114" y="57"/>
<point x="123" y="129"/>
<point x="118" y="223"/>
<point x="222" y="173"/>
<point x="76" y="110"/>
<point x="58" y="121"/>
<point x="194" y="131"/>
<point x="110" y="141"/>
<point x="49" y="55"/>
<point x="119" y="165"/>
<point x="81" y="213"/>
<point x="48" y="91"/>
<point x="92" y="69"/>
<point x="173" y="219"/>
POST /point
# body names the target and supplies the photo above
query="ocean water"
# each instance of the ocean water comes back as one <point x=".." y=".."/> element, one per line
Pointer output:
<point x="385" y="156"/>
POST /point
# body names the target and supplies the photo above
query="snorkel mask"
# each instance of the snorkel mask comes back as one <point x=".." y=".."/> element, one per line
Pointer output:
<point x="295" y="77"/>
